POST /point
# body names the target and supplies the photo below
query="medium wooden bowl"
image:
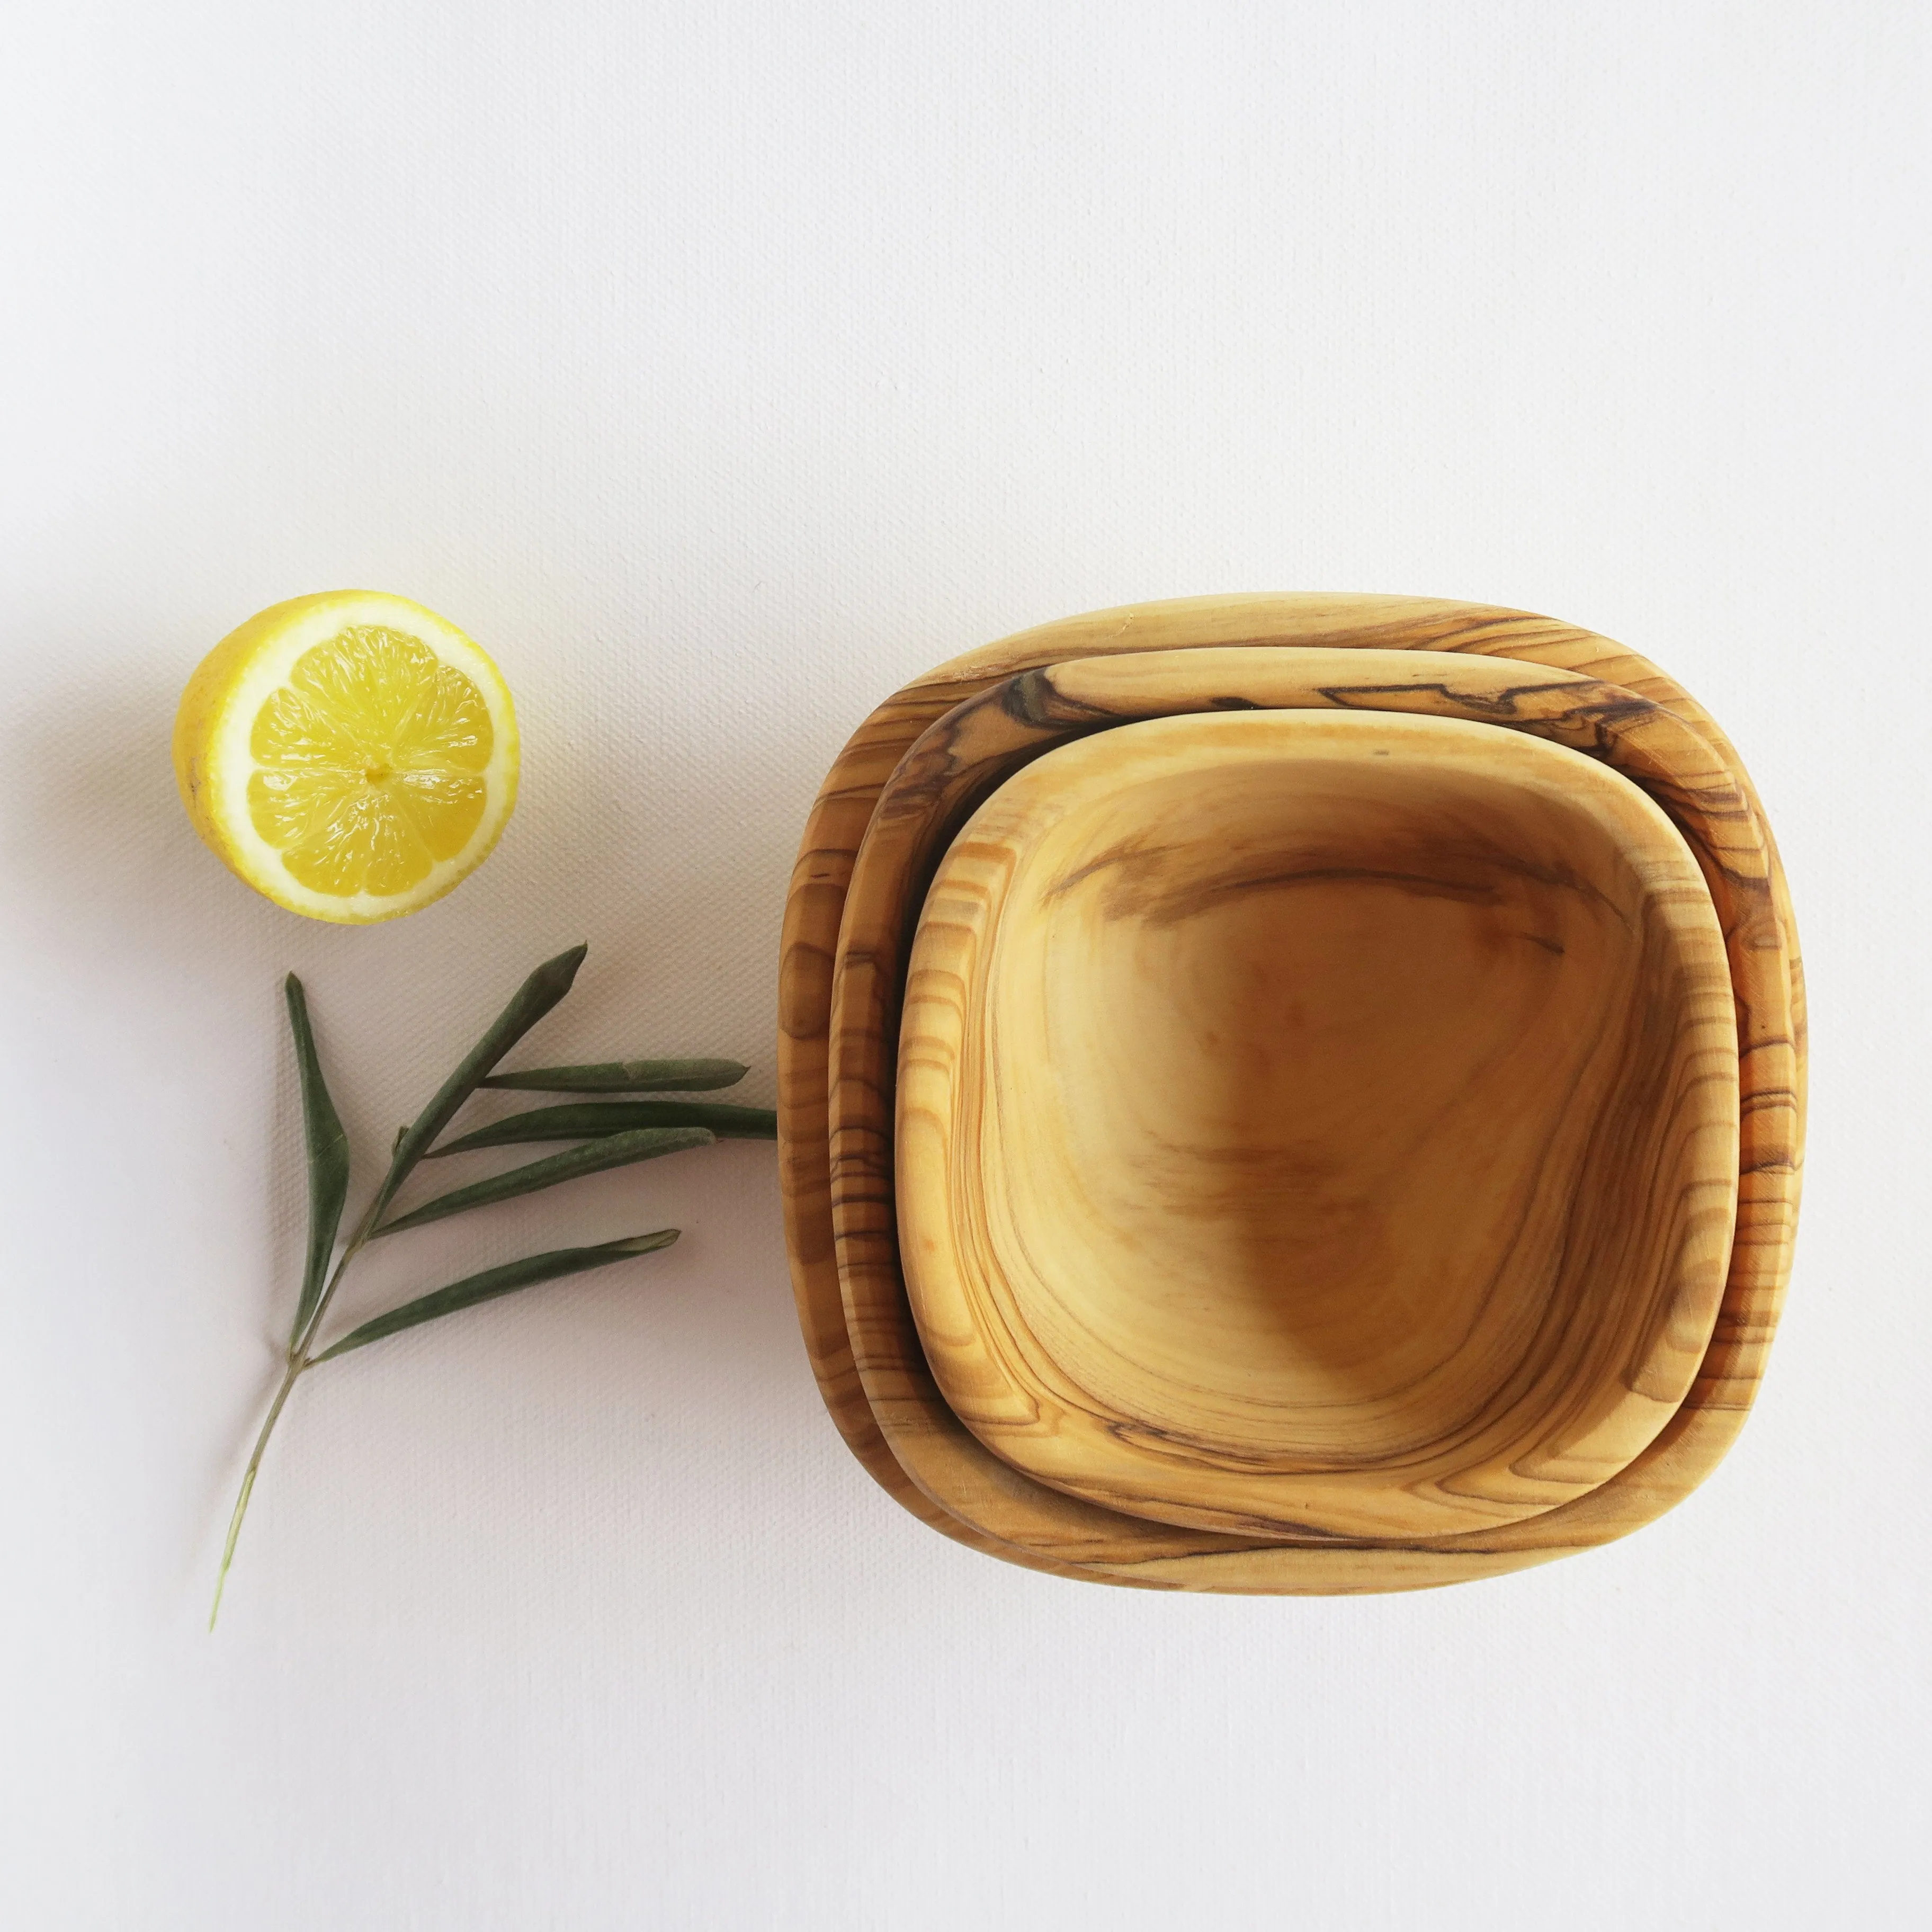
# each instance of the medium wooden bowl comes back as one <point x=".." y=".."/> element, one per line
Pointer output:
<point x="1564" y="682"/>
<point x="1317" y="1121"/>
<point x="965" y="755"/>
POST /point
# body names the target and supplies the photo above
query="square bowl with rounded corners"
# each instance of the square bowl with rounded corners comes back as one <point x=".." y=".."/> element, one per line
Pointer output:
<point x="965" y="755"/>
<point x="1318" y="1121"/>
<point x="871" y="1371"/>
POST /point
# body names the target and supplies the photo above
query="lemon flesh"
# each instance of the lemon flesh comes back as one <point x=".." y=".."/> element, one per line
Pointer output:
<point x="351" y="755"/>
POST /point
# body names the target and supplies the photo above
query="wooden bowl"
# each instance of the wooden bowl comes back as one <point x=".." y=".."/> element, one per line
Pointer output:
<point x="960" y="760"/>
<point x="1317" y="1121"/>
<point x="1553" y="678"/>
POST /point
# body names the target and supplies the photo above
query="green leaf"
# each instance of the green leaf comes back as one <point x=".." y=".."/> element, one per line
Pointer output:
<point x="534" y="998"/>
<point x="327" y="1158"/>
<point x="589" y="1119"/>
<point x="494" y="1282"/>
<point x="593" y="1157"/>
<point x="627" y="1076"/>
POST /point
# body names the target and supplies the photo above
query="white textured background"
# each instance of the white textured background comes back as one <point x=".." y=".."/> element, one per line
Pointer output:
<point x="720" y="366"/>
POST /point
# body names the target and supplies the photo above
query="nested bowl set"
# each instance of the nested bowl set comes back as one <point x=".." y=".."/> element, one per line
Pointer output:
<point x="1289" y="1094"/>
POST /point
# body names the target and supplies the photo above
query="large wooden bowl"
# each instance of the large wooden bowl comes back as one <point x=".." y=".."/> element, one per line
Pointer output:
<point x="1317" y="1120"/>
<point x="1563" y="682"/>
<point x="960" y="760"/>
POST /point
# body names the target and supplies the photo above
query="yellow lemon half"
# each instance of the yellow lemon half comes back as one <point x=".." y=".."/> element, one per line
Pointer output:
<point x="350" y="755"/>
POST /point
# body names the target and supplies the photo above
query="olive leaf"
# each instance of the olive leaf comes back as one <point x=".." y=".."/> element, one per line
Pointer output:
<point x="626" y="1076"/>
<point x="593" y="1157"/>
<point x="534" y="998"/>
<point x="467" y="1293"/>
<point x="328" y="1147"/>
<point x="586" y="1120"/>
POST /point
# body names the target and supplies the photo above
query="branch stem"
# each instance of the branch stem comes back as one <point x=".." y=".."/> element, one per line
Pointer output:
<point x="289" y="1380"/>
<point x="298" y="1347"/>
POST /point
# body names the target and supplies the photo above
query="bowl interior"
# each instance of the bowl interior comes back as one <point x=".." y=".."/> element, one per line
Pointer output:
<point x="1324" y="1121"/>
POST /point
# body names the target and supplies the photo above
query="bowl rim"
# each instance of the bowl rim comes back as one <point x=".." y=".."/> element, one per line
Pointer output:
<point x="1084" y="1542"/>
<point x="1501" y="1462"/>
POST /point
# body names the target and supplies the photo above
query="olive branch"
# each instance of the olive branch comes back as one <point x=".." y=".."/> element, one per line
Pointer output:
<point x="610" y="1133"/>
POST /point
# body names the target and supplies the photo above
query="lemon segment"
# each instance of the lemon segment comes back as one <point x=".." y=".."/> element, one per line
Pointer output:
<point x="351" y="755"/>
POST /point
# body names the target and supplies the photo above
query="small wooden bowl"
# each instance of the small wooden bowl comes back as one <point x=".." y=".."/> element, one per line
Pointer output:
<point x="1317" y="1121"/>
<point x="949" y="737"/>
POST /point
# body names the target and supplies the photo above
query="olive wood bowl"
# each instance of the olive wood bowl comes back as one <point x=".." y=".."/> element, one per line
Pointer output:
<point x="966" y="755"/>
<point x="1317" y="1121"/>
<point x="870" y="1368"/>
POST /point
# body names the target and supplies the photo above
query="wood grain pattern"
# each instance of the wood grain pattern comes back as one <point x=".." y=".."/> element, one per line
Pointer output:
<point x="989" y="1506"/>
<point x="1317" y="1122"/>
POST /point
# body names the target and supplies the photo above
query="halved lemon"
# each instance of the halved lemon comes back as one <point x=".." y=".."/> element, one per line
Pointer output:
<point x="350" y="755"/>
